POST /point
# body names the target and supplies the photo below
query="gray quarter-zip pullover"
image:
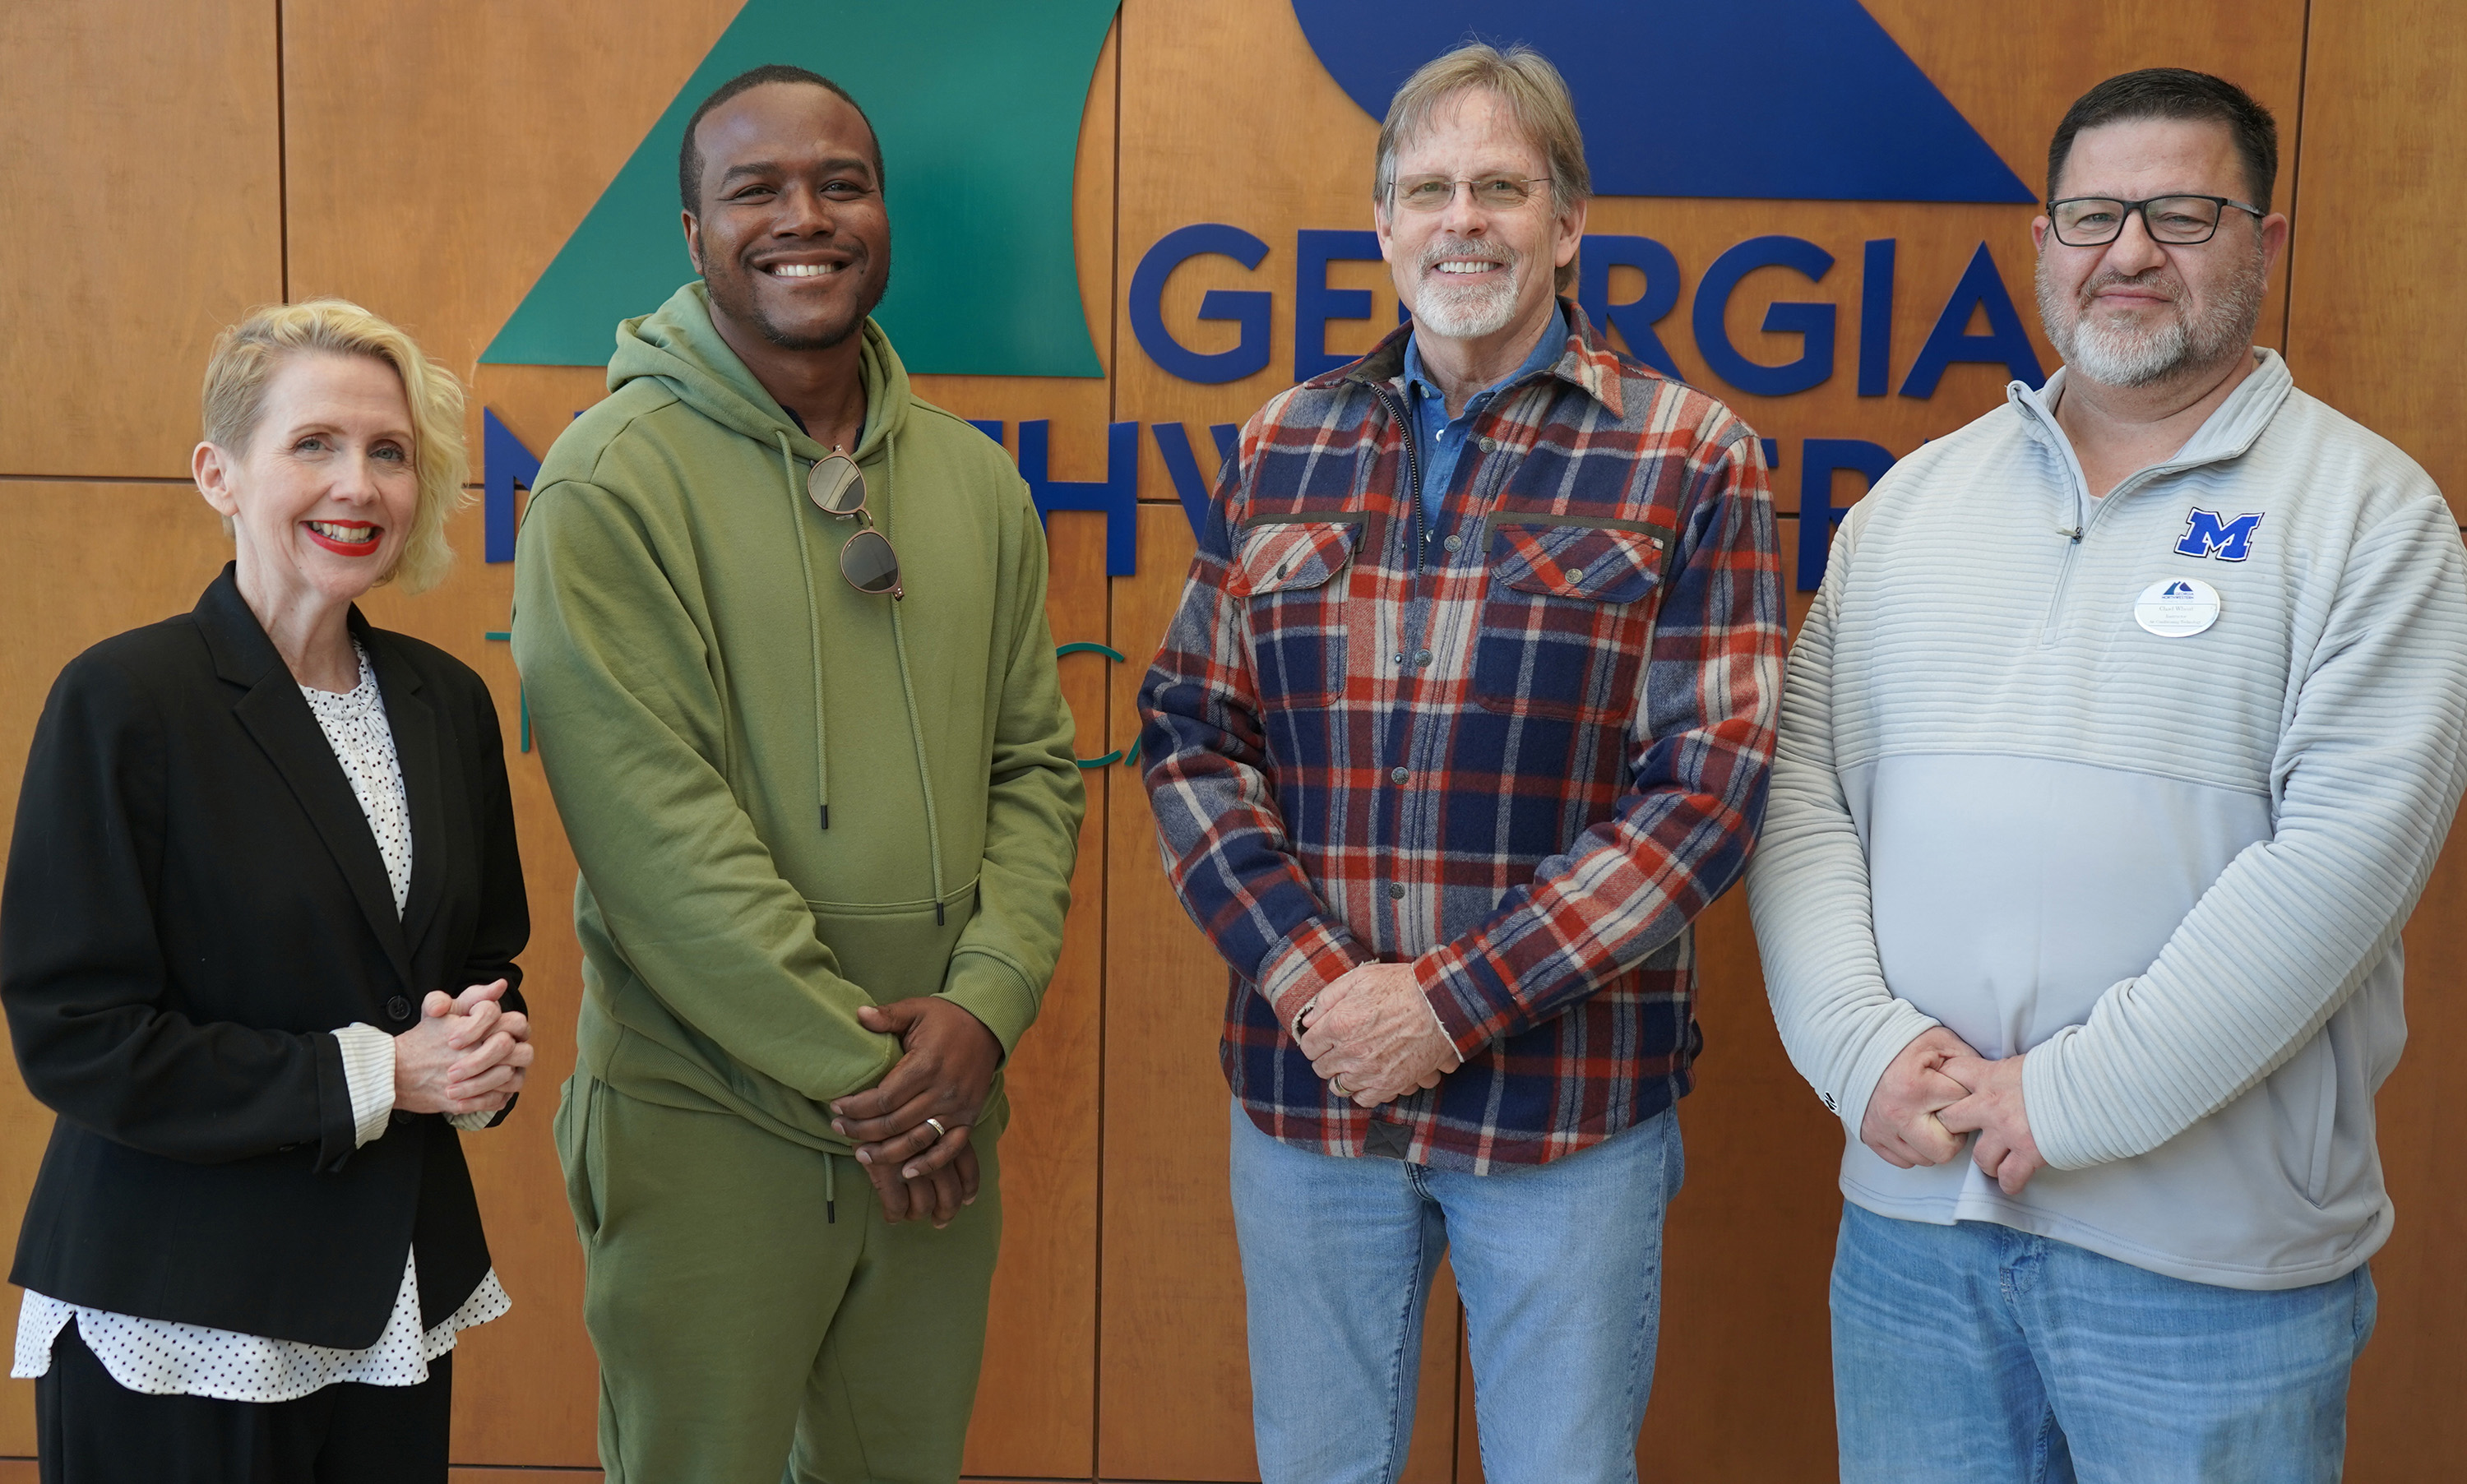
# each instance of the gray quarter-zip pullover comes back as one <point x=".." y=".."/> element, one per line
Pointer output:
<point x="2171" y="868"/>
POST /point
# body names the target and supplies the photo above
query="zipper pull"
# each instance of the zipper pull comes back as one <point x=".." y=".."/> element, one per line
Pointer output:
<point x="2072" y="533"/>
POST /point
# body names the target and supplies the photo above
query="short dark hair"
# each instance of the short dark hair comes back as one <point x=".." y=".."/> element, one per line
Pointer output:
<point x="689" y="153"/>
<point x="2176" y="92"/>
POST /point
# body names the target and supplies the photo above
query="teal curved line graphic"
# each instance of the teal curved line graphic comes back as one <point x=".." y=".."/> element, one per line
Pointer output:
<point x="978" y="104"/>
<point x="1117" y="755"/>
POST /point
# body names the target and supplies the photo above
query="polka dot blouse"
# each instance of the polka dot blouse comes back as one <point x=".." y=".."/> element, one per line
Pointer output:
<point x="164" y="1358"/>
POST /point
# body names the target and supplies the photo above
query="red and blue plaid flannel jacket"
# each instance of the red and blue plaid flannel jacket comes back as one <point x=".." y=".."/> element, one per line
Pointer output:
<point x="1522" y="764"/>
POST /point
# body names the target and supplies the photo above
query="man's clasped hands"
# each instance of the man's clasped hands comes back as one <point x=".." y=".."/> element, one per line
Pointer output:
<point x="911" y="1129"/>
<point x="1938" y="1089"/>
<point x="1372" y="1036"/>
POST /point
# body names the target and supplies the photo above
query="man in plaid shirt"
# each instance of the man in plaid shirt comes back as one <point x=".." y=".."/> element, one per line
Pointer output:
<point x="1464" y="717"/>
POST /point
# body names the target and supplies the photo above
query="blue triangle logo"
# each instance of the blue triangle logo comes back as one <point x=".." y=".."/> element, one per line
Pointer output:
<point x="1762" y="99"/>
<point x="978" y="104"/>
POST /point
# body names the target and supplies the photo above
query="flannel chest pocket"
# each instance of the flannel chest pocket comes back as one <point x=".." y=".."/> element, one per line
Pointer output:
<point x="1568" y="617"/>
<point x="1287" y="567"/>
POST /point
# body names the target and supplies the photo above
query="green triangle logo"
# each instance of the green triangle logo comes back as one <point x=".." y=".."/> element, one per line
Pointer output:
<point x="978" y="104"/>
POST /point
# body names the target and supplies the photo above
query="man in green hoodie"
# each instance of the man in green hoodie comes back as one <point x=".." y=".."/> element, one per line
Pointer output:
<point x="803" y="723"/>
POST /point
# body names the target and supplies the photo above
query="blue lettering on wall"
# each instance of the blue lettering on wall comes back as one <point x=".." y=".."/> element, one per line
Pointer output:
<point x="1117" y="495"/>
<point x="1812" y="322"/>
<point x="1315" y="303"/>
<point x="2006" y="342"/>
<point x="1633" y="317"/>
<point x="1182" y="465"/>
<point x="1246" y="307"/>
<point x="1876" y="319"/>
<point x="1819" y="457"/>
<point x="507" y="463"/>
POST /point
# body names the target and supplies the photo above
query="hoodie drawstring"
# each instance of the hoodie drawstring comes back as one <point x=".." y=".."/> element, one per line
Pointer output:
<point x="899" y="646"/>
<point x="830" y="1189"/>
<point x="908" y="692"/>
<point x="813" y="623"/>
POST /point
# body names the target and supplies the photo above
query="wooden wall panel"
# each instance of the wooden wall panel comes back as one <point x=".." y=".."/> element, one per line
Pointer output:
<point x="143" y="187"/>
<point x="439" y="154"/>
<point x="2378" y="313"/>
<point x="1037" y="1400"/>
<point x="1174" y="1369"/>
<point x="2405" y="1425"/>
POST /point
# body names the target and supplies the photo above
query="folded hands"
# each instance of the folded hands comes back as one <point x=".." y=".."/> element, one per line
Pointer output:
<point x="467" y="1053"/>
<point x="1372" y="1034"/>
<point x="1939" y="1088"/>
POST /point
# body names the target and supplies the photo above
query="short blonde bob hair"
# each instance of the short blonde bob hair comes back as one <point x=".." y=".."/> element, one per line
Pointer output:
<point x="1533" y="91"/>
<point x="244" y="361"/>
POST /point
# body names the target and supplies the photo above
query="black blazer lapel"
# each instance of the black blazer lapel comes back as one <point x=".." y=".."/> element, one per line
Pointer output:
<point x="273" y="713"/>
<point x="428" y="777"/>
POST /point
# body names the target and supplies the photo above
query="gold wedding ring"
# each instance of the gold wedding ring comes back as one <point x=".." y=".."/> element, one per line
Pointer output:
<point x="1336" y="1085"/>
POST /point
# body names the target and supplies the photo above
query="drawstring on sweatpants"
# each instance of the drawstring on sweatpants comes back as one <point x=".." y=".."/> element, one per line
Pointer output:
<point x="830" y="1189"/>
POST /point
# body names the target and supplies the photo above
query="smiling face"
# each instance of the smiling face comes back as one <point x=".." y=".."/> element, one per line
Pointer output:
<point x="792" y="236"/>
<point x="322" y="499"/>
<point x="2134" y="312"/>
<point x="1469" y="272"/>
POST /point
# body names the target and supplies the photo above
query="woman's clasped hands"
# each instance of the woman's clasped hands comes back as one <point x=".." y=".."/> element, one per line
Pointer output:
<point x="466" y="1054"/>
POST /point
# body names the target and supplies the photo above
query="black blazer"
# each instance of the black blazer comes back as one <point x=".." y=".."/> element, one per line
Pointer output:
<point x="194" y="904"/>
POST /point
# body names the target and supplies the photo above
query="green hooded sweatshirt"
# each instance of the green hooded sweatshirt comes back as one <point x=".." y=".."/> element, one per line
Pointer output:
<point x="789" y="799"/>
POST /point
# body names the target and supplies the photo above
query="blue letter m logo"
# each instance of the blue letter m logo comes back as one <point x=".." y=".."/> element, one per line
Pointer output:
<point x="2208" y="535"/>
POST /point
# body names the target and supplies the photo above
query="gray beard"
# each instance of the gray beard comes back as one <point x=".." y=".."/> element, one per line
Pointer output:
<point x="2118" y="355"/>
<point x="1468" y="313"/>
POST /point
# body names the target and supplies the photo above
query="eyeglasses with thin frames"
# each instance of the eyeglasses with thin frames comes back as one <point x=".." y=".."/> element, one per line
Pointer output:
<point x="866" y="562"/>
<point x="1490" y="193"/>
<point x="2173" y="221"/>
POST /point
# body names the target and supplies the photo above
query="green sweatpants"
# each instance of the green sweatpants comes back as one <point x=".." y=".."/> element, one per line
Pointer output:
<point x="745" y="1336"/>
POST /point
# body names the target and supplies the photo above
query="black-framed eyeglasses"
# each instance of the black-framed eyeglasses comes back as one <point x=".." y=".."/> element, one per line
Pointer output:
<point x="837" y="487"/>
<point x="2178" y="221"/>
<point x="1490" y="193"/>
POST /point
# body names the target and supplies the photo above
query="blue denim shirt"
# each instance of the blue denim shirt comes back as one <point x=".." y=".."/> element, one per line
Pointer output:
<point x="1440" y="437"/>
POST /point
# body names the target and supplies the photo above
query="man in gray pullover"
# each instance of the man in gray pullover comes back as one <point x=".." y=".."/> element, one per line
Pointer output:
<point x="2115" y="753"/>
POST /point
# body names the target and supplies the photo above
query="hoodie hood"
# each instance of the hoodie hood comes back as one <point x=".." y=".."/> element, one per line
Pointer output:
<point x="678" y="347"/>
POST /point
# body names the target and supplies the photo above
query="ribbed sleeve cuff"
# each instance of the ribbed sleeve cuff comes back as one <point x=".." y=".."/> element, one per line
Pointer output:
<point x="368" y="1071"/>
<point x="2061" y="1139"/>
<point x="993" y="992"/>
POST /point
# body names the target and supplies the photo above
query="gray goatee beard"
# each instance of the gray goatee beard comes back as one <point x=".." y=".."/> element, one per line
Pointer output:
<point x="1473" y="311"/>
<point x="2117" y="354"/>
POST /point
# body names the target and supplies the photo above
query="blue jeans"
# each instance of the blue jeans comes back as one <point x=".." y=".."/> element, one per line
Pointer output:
<point x="1976" y="1354"/>
<point x="1559" y="1267"/>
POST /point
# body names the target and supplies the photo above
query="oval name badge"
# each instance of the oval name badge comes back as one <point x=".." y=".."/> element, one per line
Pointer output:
<point x="2176" y="608"/>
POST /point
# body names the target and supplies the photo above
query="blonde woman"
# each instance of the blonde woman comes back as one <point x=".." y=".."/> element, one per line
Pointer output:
<point x="256" y="950"/>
